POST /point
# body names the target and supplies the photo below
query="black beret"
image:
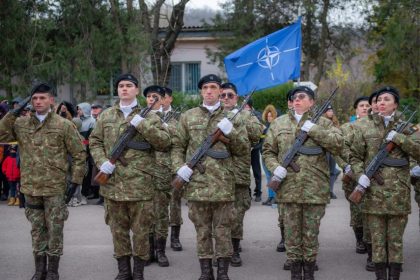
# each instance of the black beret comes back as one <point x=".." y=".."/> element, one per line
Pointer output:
<point x="229" y="85"/>
<point x="390" y="90"/>
<point x="372" y="96"/>
<point x="329" y="107"/>
<point x="41" y="87"/>
<point x="96" y="106"/>
<point x="126" y="77"/>
<point x="168" y="91"/>
<point x="360" y="99"/>
<point x="289" y="95"/>
<point x="158" y="89"/>
<point x="211" y="78"/>
<point x="304" y="89"/>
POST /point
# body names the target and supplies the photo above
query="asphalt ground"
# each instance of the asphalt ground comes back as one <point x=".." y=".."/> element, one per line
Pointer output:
<point x="88" y="247"/>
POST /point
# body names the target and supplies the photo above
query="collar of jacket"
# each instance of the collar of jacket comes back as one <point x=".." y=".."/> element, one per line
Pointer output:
<point x="37" y="123"/>
<point x="306" y="116"/>
<point x="220" y="109"/>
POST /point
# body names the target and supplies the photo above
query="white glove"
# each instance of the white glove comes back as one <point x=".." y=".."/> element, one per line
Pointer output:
<point x="364" y="181"/>
<point x="391" y="135"/>
<point x="307" y="125"/>
<point x="415" y="171"/>
<point x="165" y="124"/>
<point x="225" y="126"/>
<point x="347" y="169"/>
<point x="107" y="167"/>
<point x="280" y="172"/>
<point x="185" y="173"/>
<point x="136" y="120"/>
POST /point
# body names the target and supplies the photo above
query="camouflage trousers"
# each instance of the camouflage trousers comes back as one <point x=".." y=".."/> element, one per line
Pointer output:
<point x="175" y="215"/>
<point x="47" y="223"/>
<point x="302" y="223"/>
<point x="123" y="216"/>
<point x="367" y="238"/>
<point x="387" y="235"/>
<point x="242" y="204"/>
<point x="207" y="216"/>
<point x="280" y="209"/>
<point x="160" y="224"/>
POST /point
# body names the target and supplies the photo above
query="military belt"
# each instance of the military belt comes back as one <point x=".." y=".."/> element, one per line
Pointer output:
<point x="395" y="162"/>
<point x="34" y="206"/>
<point x="310" y="151"/>
<point x="141" y="145"/>
<point x="221" y="154"/>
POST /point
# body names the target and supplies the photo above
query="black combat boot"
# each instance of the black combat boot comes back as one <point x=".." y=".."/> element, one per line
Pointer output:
<point x="236" y="257"/>
<point x="380" y="271"/>
<point x="296" y="270"/>
<point x="124" y="268"/>
<point x="280" y="246"/>
<point x="40" y="268"/>
<point x="175" y="243"/>
<point x="52" y="273"/>
<point x="308" y="270"/>
<point x="370" y="266"/>
<point x="151" y="249"/>
<point x="360" y="245"/>
<point x="206" y="269"/>
<point x="161" y="257"/>
<point x="394" y="271"/>
<point x="222" y="268"/>
<point x="138" y="268"/>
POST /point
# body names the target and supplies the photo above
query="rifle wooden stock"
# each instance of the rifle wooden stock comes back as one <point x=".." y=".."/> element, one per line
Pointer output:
<point x="102" y="178"/>
<point x="347" y="177"/>
<point x="356" y="196"/>
<point x="274" y="184"/>
<point x="178" y="182"/>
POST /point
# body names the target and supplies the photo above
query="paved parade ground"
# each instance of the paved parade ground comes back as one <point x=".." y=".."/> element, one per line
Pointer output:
<point x="88" y="247"/>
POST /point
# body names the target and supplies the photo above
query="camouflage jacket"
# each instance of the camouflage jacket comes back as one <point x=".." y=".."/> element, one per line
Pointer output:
<point x="311" y="184"/>
<point x="133" y="182"/>
<point x="242" y="164"/>
<point x="394" y="196"/>
<point x="44" y="149"/>
<point x="217" y="183"/>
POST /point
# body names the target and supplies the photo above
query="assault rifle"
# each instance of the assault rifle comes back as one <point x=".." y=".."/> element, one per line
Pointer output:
<point x="172" y="114"/>
<point x="288" y="159"/>
<point x="377" y="161"/>
<point x="201" y="152"/>
<point x="121" y="145"/>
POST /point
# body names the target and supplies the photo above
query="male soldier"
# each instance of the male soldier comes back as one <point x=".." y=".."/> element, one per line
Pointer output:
<point x="254" y="129"/>
<point x="175" y="216"/>
<point x="361" y="105"/>
<point x="162" y="186"/>
<point x="306" y="193"/>
<point x="129" y="191"/>
<point x="45" y="140"/>
<point x="210" y="194"/>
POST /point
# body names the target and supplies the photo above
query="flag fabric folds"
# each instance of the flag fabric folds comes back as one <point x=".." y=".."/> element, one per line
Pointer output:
<point x="269" y="61"/>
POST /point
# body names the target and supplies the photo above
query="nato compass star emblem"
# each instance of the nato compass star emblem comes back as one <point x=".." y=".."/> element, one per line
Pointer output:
<point x="268" y="57"/>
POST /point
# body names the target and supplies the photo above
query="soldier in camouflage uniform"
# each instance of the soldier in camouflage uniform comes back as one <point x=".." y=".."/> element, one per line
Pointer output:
<point x="210" y="194"/>
<point x="129" y="191"/>
<point x="45" y="139"/>
<point x="361" y="106"/>
<point x="254" y="129"/>
<point x="306" y="193"/>
<point x="387" y="206"/>
<point x="162" y="186"/>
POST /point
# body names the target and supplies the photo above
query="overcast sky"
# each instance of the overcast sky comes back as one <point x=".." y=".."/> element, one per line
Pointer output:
<point x="199" y="4"/>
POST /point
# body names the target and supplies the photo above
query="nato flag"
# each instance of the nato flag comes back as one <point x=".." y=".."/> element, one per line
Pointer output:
<point x="268" y="61"/>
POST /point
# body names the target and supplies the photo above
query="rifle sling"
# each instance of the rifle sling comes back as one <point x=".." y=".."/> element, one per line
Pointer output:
<point x="141" y="145"/>
<point x="218" y="154"/>
<point x="395" y="162"/>
<point x="310" y="151"/>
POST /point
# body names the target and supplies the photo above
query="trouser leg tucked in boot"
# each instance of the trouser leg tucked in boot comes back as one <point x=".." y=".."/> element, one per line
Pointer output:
<point x="52" y="272"/>
<point x="236" y="257"/>
<point x="360" y="245"/>
<point x="370" y="266"/>
<point x="394" y="271"/>
<point x="222" y="268"/>
<point x="40" y="268"/>
<point x="280" y="246"/>
<point x="206" y="269"/>
<point x="175" y="243"/>
<point x="296" y="270"/>
<point x="161" y="257"/>
<point x="380" y="271"/>
<point x="308" y="270"/>
<point x="151" y="249"/>
<point x="124" y="268"/>
<point x="138" y="268"/>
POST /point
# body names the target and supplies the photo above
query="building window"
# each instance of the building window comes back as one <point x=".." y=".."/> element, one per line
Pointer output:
<point x="185" y="76"/>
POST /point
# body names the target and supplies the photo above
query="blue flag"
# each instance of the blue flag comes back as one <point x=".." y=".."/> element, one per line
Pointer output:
<point x="269" y="61"/>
